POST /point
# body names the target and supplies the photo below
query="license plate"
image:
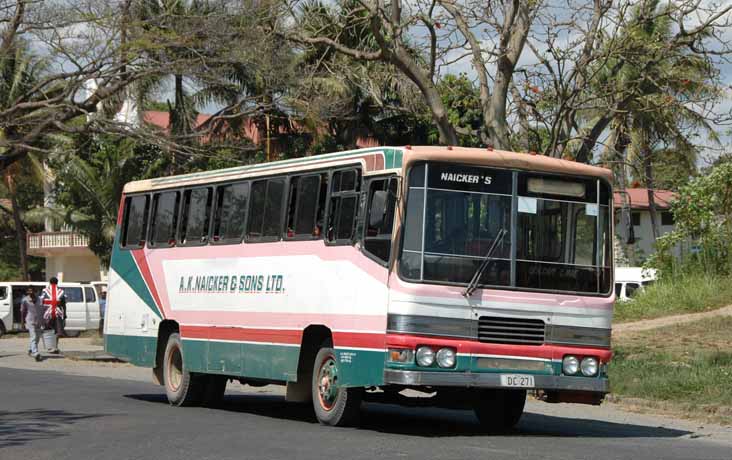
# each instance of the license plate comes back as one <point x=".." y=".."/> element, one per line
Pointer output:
<point x="517" y="381"/>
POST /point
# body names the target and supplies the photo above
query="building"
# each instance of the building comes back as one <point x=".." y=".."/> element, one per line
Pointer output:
<point x="637" y="200"/>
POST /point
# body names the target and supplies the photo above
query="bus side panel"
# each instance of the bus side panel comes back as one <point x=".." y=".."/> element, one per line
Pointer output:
<point x="361" y="354"/>
<point x="131" y="322"/>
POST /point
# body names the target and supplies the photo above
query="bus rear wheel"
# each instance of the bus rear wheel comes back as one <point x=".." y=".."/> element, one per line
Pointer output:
<point x="334" y="405"/>
<point x="183" y="388"/>
<point x="499" y="410"/>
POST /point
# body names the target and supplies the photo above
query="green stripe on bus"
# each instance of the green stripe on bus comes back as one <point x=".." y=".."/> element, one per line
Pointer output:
<point x="358" y="368"/>
<point x="138" y="350"/>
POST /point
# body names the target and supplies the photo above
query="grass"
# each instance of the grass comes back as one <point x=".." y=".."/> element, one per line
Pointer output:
<point x="688" y="294"/>
<point x="685" y="368"/>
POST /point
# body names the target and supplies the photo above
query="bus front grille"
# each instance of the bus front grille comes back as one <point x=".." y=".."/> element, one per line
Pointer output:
<point x="519" y="331"/>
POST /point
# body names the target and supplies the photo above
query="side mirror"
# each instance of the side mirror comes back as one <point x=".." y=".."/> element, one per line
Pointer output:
<point x="378" y="208"/>
<point x="626" y="226"/>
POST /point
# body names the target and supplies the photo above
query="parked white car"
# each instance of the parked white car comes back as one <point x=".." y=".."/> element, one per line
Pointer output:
<point x="82" y="305"/>
<point x="631" y="280"/>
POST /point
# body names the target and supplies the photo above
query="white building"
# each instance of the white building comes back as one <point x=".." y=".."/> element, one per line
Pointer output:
<point x="637" y="200"/>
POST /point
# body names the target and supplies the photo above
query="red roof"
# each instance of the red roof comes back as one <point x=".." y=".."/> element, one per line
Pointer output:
<point x="162" y="119"/>
<point x="639" y="198"/>
<point x="250" y="129"/>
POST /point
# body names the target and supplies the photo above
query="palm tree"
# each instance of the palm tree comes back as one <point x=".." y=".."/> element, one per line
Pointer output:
<point x="19" y="71"/>
<point x="647" y="87"/>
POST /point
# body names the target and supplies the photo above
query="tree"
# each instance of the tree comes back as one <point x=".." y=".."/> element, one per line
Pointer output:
<point x="703" y="214"/>
<point x="90" y="184"/>
<point x="655" y="87"/>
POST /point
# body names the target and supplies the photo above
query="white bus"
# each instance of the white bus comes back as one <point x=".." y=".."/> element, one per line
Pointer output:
<point x="471" y="275"/>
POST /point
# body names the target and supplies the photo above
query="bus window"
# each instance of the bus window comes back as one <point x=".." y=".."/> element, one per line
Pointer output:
<point x="343" y="207"/>
<point x="380" y="218"/>
<point x="265" y="211"/>
<point x="3" y="292"/>
<point x="134" y="225"/>
<point x="231" y="205"/>
<point x="195" y="215"/>
<point x="164" y="217"/>
<point x="618" y="289"/>
<point x="303" y="209"/>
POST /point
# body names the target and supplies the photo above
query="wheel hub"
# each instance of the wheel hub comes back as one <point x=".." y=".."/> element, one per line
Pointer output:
<point x="328" y="383"/>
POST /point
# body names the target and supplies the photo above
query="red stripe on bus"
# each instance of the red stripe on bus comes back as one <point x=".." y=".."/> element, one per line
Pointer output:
<point x="479" y="348"/>
<point x="139" y="255"/>
<point x="279" y="336"/>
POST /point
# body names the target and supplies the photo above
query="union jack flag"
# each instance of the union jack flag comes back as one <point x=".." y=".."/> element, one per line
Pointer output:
<point x="52" y="299"/>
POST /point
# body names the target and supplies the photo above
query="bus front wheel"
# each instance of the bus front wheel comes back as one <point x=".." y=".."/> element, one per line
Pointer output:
<point x="334" y="404"/>
<point x="183" y="388"/>
<point x="499" y="410"/>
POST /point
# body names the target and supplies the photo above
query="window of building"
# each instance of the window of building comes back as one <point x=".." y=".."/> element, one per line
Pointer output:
<point x="164" y="219"/>
<point x="380" y="218"/>
<point x="265" y="211"/>
<point x="134" y="225"/>
<point x="305" y="206"/>
<point x="343" y="206"/>
<point x="231" y="212"/>
<point x="636" y="217"/>
<point x="195" y="214"/>
<point x="667" y="218"/>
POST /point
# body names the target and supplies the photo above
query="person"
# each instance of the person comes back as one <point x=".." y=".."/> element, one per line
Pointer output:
<point x="31" y="312"/>
<point x="102" y="310"/>
<point x="54" y="315"/>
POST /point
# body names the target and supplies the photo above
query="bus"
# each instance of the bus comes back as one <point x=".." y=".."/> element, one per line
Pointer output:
<point x="468" y="276"/>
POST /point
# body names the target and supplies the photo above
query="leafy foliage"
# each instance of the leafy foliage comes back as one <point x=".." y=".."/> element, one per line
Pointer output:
<point x="703" y="214"/>
<point x="89" y="185"/>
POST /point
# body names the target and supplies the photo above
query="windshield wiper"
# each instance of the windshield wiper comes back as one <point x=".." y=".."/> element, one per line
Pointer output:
<point x="473" y="284"/>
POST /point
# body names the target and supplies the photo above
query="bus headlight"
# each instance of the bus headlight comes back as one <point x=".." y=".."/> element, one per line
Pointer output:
<point x="570" y="365"/>
<point x="425" y="356"/>
<point x="589" y="367"/>
<point x="446" y="358"/>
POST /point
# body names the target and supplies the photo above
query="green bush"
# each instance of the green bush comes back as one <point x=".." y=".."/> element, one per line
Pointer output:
<point x="686" y="292"/>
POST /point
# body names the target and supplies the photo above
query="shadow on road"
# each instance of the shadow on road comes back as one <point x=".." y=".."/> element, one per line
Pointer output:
<point x="433" y="422"/>
<point x="23" y="427"/>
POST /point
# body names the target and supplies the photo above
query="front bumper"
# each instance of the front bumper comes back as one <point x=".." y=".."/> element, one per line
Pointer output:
<point x="492" y="380"/>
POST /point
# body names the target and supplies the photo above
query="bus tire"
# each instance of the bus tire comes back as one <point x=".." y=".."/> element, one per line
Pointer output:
<point x="183" y="388"/>
<point x="213" y="390"/>
<point x="499" y="410"/>
<point x="334" y="405"/>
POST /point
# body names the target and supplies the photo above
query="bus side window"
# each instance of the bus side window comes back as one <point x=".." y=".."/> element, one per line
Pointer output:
<point x="380" y="218"/>
<point x="195" y="214"/>
<point x="3" y="292"/>
<point x="343" y="207"/>
<point x="231" y="211"/>
<point x="303" y="210"/>
<point x="134" y="222"/>
<point x="164" y="219"/>
<point x="265" y="211"/>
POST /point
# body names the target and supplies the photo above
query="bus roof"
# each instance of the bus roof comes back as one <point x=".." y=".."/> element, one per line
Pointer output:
<point x="378" y="159"/>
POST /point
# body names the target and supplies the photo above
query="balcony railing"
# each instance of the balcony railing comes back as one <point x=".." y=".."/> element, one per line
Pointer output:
<point x="49" y="240"/>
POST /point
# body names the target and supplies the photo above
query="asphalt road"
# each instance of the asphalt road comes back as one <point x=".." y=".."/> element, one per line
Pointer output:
<point x="47" y="415"/>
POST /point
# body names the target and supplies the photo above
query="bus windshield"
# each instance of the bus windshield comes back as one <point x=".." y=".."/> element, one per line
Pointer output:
<point x="558" y="229"/>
